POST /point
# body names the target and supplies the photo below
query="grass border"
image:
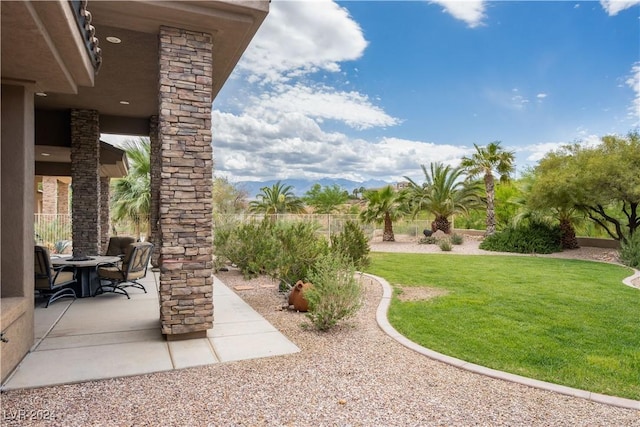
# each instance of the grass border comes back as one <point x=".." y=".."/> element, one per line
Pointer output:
<point x="383" y="323"/>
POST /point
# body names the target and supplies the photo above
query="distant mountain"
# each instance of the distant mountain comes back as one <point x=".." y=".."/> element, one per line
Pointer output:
<point x="301" y="186"/>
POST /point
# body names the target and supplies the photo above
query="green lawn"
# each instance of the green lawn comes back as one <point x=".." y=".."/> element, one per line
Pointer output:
<point x="568" y="322"/>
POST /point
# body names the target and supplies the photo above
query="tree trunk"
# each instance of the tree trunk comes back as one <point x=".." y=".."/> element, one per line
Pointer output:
<point x="387" y="234"/>
<point x="441" y="223"/>
<point x="491" y="213"/>
<point x="568" y="235"/>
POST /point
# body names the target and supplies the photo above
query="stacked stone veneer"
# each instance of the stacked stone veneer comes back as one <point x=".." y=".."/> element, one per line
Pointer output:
<point x="49" y="195"/>
<point x="85" y="166"/>
<point x="156" y="166"/>
<point x="105" y="220"/>
<point x="186" y="281"/>
<point x="63" y="198"/>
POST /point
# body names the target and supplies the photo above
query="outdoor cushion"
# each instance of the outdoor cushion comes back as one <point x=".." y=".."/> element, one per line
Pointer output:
<point x="55" y="282"/>
<point x="114" y="277"/>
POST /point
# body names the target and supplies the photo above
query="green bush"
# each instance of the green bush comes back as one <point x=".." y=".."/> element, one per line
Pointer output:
<point x="445" y="245"/>
<point x="299" y="248"/>
<point x="630" y="251"/>
<point x="534" y="237"/>
<point x="285" y="251"/>
<point x="336" y="293"/>
<point x="352" y="244"/>
<point x="456" y="239"/>
<point x="252" y="247"/>
<point x="431" y="240"/>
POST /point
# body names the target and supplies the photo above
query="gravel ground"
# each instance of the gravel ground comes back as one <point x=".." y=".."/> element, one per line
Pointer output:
<point x="354" y="375"/>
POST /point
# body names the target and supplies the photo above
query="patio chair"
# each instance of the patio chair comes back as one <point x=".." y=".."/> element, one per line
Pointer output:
<point x="116" y="277"/>
<point x="51" y="281"/>
<point x="118" y="245"/>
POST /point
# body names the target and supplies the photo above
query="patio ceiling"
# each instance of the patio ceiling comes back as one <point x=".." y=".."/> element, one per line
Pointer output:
<point x="42" y="43"/>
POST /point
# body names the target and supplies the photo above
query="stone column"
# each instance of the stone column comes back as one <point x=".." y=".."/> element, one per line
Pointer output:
<point x="85" y="175"/>
<point x="186" y="281"/>
<point x="105" y="220"/>
<point x="156" y="166"/>
<point x="49" y="195"/>
<point x="63" y="198"/>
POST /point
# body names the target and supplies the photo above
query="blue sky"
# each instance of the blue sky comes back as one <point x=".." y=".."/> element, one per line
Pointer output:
<point x="371" y="90"/>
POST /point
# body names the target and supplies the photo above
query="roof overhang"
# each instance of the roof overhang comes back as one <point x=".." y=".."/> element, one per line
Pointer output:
<point x="41" y="43"/>
<point x="54" y="160"/>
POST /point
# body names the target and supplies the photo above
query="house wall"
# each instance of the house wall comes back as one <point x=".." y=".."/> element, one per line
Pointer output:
<point x="16" y="229"/>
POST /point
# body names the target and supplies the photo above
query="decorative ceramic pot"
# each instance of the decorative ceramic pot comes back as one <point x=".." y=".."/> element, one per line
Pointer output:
<point x="296" y="297"/>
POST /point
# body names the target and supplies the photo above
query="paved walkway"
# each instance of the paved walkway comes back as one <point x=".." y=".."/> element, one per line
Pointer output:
<point x="110" y="336"/>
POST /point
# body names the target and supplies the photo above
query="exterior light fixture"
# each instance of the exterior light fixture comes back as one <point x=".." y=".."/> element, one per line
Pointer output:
<point x="45" y="154"/>
<point x="113" y="39"/>
<point x="41" y="94"/>
<point x="124" y="102"/>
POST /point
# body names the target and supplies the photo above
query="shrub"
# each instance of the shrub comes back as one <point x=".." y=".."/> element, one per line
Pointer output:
<point x="285" y="251"/>
<point x="299" y="249"/>
<point x="445" y="245"/>
<point x="336" y="294"/>
<point x="60" y="246"/>
<point x="352" y="244"/>
<point x="431" y="240"/>
<point x="252" y="247"/>
<point x="534" y="237"/>
<point x="630" y="251"/>
<point x="456" y="239"/>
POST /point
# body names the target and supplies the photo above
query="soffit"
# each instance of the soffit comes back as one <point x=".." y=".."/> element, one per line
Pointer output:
<point x="129" y="70"/>
<point x="41" y="43"/>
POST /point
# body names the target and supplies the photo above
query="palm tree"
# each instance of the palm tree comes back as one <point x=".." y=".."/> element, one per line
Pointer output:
<point x="277" y="199"/>
<point x="484" y="162"/>
<point x="131" y="195"/>
<point x="543" y="195"/>
<point x="444" y="193"/>
<point x="384" y="205"/>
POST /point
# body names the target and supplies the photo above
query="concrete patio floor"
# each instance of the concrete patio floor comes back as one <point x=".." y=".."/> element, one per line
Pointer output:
<point x="111" y="336"/>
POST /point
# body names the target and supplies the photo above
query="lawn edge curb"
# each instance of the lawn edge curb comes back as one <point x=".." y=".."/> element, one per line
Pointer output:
<point x="383" y="323"/>
<point x="629" y="280"/>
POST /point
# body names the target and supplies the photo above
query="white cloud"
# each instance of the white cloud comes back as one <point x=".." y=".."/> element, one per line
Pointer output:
<point x="538" y="151"/>
<point x="278" y="128"/>
<point x="634" y="83"/>
<point x="298" y="37"/>
<point x="286" y="145"/>
<point x="322" y="103"/>
<point x="469" y="11"/>
<point x="541" y="95"/>
<point x="613" y="7"/>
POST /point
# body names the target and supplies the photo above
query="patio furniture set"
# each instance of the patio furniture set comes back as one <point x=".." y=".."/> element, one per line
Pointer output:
<point x="124" y="263"/>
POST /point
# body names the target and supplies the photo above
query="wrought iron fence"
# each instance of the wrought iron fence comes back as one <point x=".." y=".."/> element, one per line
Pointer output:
<point x="328" y="223"/>
<point x="53" y="231"/>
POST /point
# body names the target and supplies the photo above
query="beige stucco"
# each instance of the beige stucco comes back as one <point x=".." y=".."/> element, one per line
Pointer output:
<point x="16" y="229"/>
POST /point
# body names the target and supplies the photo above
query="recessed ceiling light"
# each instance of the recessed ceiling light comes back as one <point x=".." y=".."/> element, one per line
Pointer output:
<point x="41" y="94"/>
<point x="124" y="102"/>
<point x="45" y="154"/>
<point x="114" y="40"/>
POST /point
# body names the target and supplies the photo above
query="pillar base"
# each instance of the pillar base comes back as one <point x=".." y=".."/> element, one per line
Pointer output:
<point x="187" y="336"/>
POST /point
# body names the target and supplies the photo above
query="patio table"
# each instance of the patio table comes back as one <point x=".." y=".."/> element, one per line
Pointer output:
<point x="86" y="271"/>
